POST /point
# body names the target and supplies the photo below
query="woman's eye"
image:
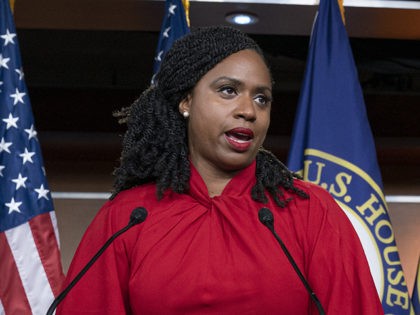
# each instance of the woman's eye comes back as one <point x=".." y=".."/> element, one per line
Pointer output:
<point x="227" y="90"/>
<point x="262" y="100"/>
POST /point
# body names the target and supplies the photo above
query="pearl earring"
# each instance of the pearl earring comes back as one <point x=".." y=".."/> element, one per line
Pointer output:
<point x="186" y="114"/>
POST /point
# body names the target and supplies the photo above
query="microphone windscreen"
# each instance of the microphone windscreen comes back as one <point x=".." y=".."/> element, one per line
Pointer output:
<point x="266" y="216"/>
<point x="138" y="215"/>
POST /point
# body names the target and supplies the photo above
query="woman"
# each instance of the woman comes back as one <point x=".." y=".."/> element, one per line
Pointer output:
<point x="192" y="157"/>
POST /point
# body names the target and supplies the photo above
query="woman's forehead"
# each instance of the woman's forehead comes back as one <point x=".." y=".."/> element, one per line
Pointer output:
<point x="242" y="65"/>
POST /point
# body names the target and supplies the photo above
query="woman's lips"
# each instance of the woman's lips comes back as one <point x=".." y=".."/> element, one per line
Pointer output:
<point x="240" y="138"/>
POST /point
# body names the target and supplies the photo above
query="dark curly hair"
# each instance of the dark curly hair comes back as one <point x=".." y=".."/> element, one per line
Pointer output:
<point x="155" y="146"/>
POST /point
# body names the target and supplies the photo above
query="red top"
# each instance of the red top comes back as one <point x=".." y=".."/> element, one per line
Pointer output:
<point x="200" y="255"/>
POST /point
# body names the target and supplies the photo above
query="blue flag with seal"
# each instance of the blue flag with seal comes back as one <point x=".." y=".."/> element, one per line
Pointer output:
<point x="175" y="25"/>
<point x="332" y="146"/>
<point x="416" y="291"/>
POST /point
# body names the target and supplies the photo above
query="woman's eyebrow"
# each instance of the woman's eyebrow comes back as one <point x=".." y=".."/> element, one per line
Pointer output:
<point x="237" y="82"/>
<point x="229" y="79"/>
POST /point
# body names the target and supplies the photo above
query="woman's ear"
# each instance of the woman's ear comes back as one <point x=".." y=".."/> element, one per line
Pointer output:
<point x="184" y="105"/>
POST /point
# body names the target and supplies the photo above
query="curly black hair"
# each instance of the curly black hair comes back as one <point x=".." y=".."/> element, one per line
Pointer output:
<point x="155" y="146"/>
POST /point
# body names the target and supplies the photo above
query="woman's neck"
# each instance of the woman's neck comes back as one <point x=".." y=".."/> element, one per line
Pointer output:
<point x="215" y="179"/>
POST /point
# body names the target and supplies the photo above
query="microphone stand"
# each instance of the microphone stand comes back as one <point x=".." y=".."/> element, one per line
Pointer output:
<point x="266" y="217"/>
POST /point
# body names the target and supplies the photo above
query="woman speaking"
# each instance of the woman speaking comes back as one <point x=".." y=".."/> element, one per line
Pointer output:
<point x="192" y="156"/>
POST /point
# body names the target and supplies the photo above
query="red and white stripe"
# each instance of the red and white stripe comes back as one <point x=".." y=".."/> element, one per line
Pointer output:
<point x="30" y="266"/>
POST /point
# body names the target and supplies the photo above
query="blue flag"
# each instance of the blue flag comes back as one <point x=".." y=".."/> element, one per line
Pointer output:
<point x="416" y="291"/>
<point x="332" y="146"/>
<point x="174" y="26"/>
<point x="30" y="263"/>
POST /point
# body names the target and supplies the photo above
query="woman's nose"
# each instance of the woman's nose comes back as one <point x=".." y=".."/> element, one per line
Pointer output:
<point x="246" y="109"/>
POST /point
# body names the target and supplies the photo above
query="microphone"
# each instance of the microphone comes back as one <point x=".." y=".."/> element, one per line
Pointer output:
<point x="138" y="215"/>
<point x="266" y="217"/>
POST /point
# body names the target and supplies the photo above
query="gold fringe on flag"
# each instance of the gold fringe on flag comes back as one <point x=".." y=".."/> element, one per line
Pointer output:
<point x="341" y="6"/>
<point x="12" y="5"/>
<point x="186" y="4"/>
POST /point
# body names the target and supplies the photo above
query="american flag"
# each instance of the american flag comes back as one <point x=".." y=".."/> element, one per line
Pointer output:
<point x="175" y="24"/>
<point x="30" y="266"/>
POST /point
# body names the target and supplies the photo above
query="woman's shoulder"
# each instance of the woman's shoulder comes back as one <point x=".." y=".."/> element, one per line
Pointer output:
<point x="123" y="204"/>
<point x="318" y="197"/>
<point x="319" y="210"/>
<point x="135" y="193"/>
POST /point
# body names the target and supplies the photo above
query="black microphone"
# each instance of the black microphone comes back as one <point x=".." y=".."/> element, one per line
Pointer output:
<point x="138" y="215"/>
<point x="266" y="217"/>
